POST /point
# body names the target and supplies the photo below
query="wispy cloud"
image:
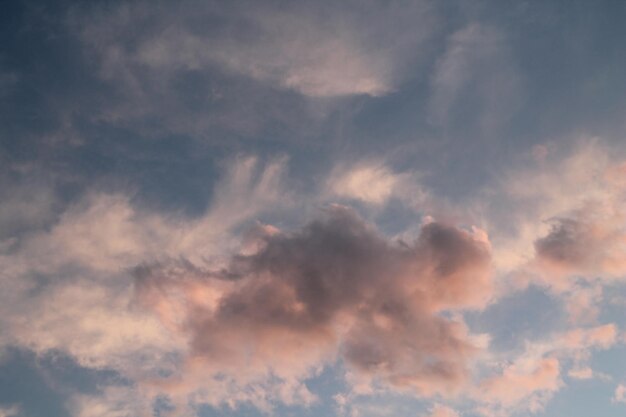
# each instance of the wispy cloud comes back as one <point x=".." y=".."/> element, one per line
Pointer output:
<point x="460" y="74"/>
<point x="373" y="182"/>
<point x="10" y="411"/>
<point x="322" y="51"/>
<point x="620" y="394"/>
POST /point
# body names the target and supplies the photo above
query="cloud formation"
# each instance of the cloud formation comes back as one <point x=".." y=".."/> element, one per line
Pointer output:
<point x="67" y="287"/>
<point x="460" y="74"/>
<point x="529" y="381"/>
<point x="439" y="410"/>
<point x="372" y="182"/>
<point x="328" y="50"/>
<point x="173" y="273"/>
<point x="620" y="394"/>
<point x="335" y="289"/>
<point x="590" y="241"/>
<point x="9" y="411"/>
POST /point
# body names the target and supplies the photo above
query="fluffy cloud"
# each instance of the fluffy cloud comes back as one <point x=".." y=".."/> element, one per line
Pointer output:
<point x="247" y="70"/>
<point x="210" y="315"/>
<point x="201" y="325"/>
<point x="336" y="289"/>
<point x="591" y="242"/>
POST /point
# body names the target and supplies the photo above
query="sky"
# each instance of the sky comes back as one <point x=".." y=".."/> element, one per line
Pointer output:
<point x="316" y="209"/>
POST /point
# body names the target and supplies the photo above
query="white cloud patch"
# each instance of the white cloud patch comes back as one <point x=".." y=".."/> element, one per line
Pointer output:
<point x="620" y="394"/>
<point x="375" y="183"/>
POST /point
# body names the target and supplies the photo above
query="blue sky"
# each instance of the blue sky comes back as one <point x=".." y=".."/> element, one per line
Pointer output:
<point x="269" y="208"/>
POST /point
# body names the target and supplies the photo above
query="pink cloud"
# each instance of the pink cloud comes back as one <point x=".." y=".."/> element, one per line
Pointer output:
<point x="601" y="336"/>
<point x="587" y="237"/>
<point x="531" y="384"/>
<point x="335" y="289"/>
<point x="620" y="394"/>
<point x="581" y="373"/>
<point x="439" y="410"/>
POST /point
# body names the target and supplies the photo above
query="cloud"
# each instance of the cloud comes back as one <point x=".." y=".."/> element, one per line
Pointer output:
<point x="460" y="73"/>
<point x="326" y="50"/>
<point x="335" y="289"/>
<point x="558" y="221"/>
<point x="370" y="184"/>
<point x="9" y="411"/>
<point x="590" y="241"/>
<point x="210" y="320"/>
<point x="268" y="71"/>
<point x="600" y="336"/>
<point x="212" y="315"/>
<point x="112" y="402"/>
<point x="583" y="303"/>
<point x="527" y="382"/>
<point x="581" y="373"/>
<point x="620" y="394"/>
<point x="67" y="287"/>
<point x="533" y="386"/>
<point x="439" y="410"/>
<point x="374" y="183"/>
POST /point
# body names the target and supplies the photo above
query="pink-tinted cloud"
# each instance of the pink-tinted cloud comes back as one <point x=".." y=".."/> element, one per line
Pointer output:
<point x="375" y="183"/>
<point x="336" y="289"/>
<point x="529" y="381"/>
<point x="620" y="394"/>
<point x="586" y="238"/>
<point x="531" y="384"/>
<point x="440" y="410"/>
<point x="601" y="336"/>
<point x="581" y="373"/>
<point x="591" y="241"/>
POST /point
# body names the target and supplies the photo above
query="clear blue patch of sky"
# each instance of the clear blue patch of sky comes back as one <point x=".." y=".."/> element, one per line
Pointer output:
<point x="40" y="385"/>
<point x="522" y="316"/>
